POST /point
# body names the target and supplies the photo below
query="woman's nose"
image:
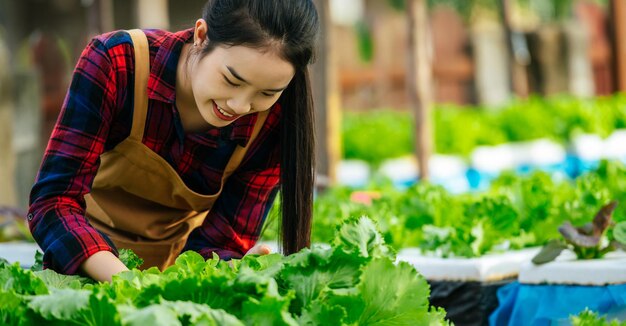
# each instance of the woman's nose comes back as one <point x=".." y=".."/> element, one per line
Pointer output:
<point x="239" y="105"/>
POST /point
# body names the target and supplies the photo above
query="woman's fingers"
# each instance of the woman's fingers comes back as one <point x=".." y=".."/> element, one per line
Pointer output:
<point x="259" y="250"/>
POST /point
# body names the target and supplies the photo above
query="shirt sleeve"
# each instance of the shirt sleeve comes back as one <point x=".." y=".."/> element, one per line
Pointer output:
<point x="234" y="223"/>
<point x="57" y="207"/>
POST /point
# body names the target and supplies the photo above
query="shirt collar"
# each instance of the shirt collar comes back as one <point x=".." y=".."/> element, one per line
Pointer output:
<point x="162" y="80"/>
<point x="162" y="83"/>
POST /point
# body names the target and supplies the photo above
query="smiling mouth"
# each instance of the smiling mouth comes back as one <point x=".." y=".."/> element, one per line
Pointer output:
<point x="222" y="114"/>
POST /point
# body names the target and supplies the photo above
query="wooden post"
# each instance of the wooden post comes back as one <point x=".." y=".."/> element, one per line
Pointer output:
<point x="420" y="81"/>
<point x="153" y="14"/>
<point x="518" y="53"/>
<point x="618" y="19"/>
<point x="326" y="96"/>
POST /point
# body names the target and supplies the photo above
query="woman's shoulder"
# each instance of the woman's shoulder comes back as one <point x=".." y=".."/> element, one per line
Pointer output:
<point x="121" y="37"/>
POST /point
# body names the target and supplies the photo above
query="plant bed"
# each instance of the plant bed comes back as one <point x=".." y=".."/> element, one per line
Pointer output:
<point x="586" y="270"/>
<point x="466" y="303"/>
<point x="466" y="287"/>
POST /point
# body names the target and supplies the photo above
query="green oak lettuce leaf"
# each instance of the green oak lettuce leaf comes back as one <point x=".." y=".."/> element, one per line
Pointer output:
<point x="69" y="306"/>
<point x="53" y="279"/>
<point x="189" y="263"/>
<point x="217" y="286"/>
<point x="145" y="288"/>
<point x="590" y="192"/>
<point x="102" y="309"/>
<point x="177" y="313"/>
<point x="447" y="241"/>
<point x="14" y="278"/>
<point x="313" y="273"/>
<point x="590" y="318"/>
<point x="151" y="315"/>
<point x="129" y="287"/>
<point x="213" y="291"/>
<point x="252" y="289"/>
<point x="12" y="308"/>
<point x="498" y="221"/>
<point x="250" y="281"/>
<point x="270" y="309"/>
<point x="192" y="264"/>
<point x="395" y="295"/>
<point x="193" y="279"/>
<point x="421" y="205"/>
<point x="38" y="265"/>
<point x="130" y="259"/>
<point x="138" y="278"/>
<point x="425" y="203"/>
<point x="322" y="313"/>
<point x="359" y="237"/>
<point x="349" y="299"/>
<point x="268" y="265"/>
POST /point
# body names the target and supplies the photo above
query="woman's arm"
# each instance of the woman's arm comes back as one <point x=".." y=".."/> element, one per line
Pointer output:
<point x="102" y="265"/>
<point x="57" y="210"/>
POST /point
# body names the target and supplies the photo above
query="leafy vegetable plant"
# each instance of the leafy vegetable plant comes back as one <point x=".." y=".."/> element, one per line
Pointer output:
<point x="590" y="318"/>
<point x="587" y="240"/>
<point x="355" y="281"/>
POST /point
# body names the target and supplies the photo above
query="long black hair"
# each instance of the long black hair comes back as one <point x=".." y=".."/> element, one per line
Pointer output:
<point x="289" y="27"/>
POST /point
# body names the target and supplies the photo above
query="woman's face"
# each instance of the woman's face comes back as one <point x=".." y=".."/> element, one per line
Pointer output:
<point x="231" y="82"/>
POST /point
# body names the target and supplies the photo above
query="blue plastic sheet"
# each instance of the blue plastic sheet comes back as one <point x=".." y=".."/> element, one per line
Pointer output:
<point x="543" y="305"/>
<point x="575" y="166"/>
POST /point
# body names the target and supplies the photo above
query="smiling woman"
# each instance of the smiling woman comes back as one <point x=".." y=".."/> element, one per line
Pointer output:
<point x="230" y="83"/>
<point x="181" y="141"/>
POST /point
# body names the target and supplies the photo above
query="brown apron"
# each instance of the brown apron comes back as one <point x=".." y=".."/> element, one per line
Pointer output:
<point x="137" y="198"/>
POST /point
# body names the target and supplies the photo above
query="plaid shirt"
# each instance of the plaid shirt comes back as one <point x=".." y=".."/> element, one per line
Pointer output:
<point x="97" y="115"/>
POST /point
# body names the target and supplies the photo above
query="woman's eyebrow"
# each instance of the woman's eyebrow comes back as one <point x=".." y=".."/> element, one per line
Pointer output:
<point x="234" y="73"/>
<point x="238" y="76"/>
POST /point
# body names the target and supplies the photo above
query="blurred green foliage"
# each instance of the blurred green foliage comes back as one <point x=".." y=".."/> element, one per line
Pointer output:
<point x="377" y="135"/>
<point x="591" y="318"/>
<point x="365" y="41"/>
<point x="515" y="212"/>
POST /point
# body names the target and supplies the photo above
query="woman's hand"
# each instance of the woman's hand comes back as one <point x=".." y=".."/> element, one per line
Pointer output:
<point x="102" y="265"/>
<point x="259" y="250"/>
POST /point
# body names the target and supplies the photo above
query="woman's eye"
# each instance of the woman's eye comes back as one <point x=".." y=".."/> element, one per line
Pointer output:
<point x="268" y="94"/>
<point x="230" y="82"/>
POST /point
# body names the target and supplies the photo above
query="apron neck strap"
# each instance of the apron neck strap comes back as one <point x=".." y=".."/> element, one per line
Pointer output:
<point x="142" y="70"/>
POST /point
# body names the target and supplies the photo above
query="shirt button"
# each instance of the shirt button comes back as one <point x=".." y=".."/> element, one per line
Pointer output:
<point x="30" y="217"/>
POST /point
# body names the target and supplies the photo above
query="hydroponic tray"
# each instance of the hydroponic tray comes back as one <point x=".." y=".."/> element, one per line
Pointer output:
<point x="567" y="270"/>
<point x="492" y="267"/>
<point x="22" y="252"/>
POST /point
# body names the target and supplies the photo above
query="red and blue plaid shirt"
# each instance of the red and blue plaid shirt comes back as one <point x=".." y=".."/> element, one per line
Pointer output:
<point x="97" y="115"/>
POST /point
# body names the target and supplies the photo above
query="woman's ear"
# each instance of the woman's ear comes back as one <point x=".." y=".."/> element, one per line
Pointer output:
<point x="199" y="33"/>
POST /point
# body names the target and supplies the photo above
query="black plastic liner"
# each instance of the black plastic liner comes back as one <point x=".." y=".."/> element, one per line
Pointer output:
<point x="466" y="303"/>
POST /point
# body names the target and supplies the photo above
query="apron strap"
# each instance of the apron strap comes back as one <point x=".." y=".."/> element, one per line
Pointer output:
<point x="142" y="70"/>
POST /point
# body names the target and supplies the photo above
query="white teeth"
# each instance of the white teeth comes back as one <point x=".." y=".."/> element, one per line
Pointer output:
<point x="224" y="112"/>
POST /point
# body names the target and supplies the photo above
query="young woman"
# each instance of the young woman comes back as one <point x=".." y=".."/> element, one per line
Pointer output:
<point x="180" y="141"/>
